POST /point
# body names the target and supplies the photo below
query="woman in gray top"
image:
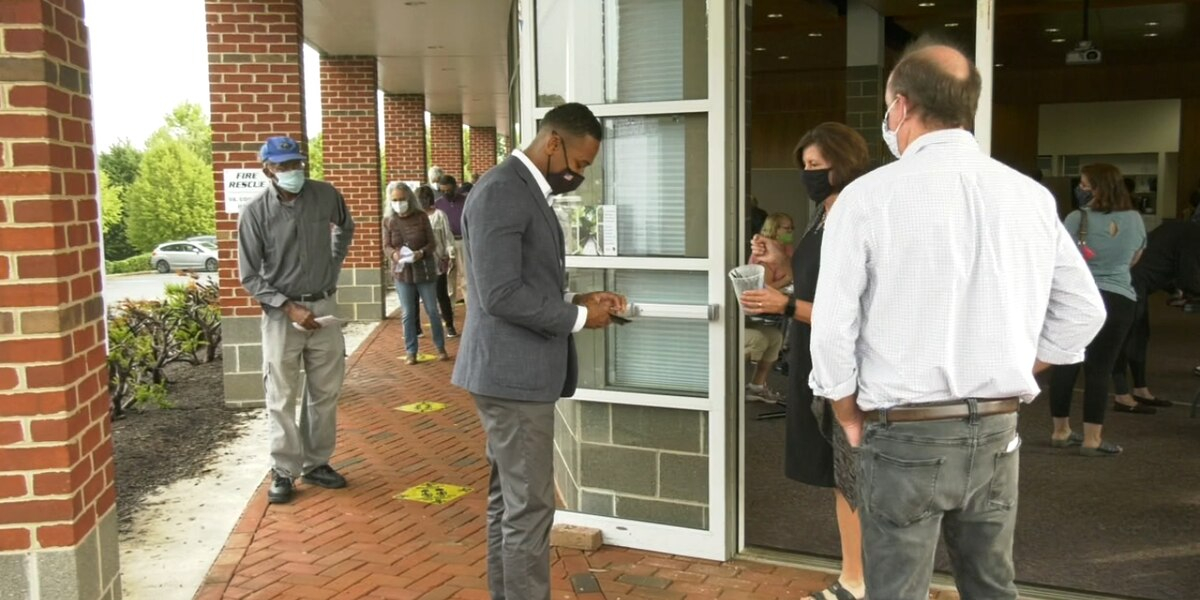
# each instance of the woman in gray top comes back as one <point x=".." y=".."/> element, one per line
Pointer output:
<point x="1111" y="235"/>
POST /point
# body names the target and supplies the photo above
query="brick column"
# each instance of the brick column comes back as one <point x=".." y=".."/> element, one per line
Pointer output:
<point x="446" y="131"/>
<point x="58" y="523"/>
<point x="256" y="86"/>
<point x="404" y="135"/>
<point x="483" y="150"/>
<point x="350" y="126"/>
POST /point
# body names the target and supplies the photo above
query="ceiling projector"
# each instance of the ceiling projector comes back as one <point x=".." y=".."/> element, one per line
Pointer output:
<point x="1084" y="54"/>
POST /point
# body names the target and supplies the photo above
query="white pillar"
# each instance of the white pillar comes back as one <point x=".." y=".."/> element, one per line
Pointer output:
<point x="864" y="35"/>
<point x="985" y="60"/>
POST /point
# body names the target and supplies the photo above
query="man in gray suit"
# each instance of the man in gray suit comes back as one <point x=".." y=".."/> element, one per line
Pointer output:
<point x="517" y="355"/>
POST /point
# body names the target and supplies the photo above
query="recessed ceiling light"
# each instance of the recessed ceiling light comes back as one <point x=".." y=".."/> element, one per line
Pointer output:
<point x="1058" y="40"/>
<point x="784" y="57"/>
<point x="760" y="49"/>
<point x="1151" y="34"/>
<point x="951" y="24"/>
<point x="815" y="34"/>
<point x="775" y="16"/>
<point x="998" y="65"/>
<point x="1151" y="23"/>
<point x="926" y="4"/>
<point x="1051" y="30"/>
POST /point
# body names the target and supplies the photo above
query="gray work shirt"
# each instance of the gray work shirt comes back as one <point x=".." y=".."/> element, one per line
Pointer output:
<point x="288" y="249"/>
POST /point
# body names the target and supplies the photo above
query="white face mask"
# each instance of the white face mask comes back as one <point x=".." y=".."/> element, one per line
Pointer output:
<point x="399" y="207"/>
<point x="290" y="181"/>
<point x="890" y="137"/>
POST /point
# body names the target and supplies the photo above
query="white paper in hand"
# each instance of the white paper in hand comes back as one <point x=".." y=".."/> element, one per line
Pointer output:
<point x="406" y="255"/>
<point x="326" y="321"/>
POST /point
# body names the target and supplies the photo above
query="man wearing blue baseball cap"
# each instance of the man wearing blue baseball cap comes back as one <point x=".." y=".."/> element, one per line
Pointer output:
<point x="292" y="240"/>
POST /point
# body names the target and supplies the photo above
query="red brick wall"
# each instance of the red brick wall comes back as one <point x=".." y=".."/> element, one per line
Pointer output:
<point x="255" y="75"/>
<point x="56" y="468"/>
<point x="350" y="129"/>
<point x="447" y="136"/>
<point x="404" y="132"/>
<point x="483" y="150"/>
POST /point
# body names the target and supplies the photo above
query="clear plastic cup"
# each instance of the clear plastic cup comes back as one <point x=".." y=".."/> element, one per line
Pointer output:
<point x="747" y="277"/>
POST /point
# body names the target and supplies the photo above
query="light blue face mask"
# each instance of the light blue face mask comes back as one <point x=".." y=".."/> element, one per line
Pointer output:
<point x="291" y="181"/>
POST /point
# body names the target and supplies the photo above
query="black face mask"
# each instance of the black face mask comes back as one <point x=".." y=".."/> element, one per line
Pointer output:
<point x="816" y="182"/>
<point x="1082" y="197"/>
<point x="566" y="180"/>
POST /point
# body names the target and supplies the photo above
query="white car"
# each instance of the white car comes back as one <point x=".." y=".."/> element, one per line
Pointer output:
<point x="184" y="256"/>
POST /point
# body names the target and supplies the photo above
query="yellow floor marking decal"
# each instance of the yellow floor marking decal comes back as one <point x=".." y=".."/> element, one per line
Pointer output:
<point x="433" y="493"/>
<point x="422" y="407"/>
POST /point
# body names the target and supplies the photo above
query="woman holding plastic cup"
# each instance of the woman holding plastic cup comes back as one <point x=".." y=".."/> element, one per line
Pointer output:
<point x="831" y="155"/>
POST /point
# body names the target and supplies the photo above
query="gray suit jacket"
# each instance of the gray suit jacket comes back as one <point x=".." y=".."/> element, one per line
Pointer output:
<point x="517" y="343"/>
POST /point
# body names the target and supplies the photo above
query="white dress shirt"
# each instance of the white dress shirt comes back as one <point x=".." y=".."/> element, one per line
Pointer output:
<point x="545" y="187"/>
<point x="943" y="276"/>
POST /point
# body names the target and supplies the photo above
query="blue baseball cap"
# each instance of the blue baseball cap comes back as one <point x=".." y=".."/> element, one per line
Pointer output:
<point x="280" y="149"/>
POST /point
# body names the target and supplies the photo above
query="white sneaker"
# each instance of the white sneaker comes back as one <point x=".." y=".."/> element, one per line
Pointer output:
<point x="761" y="393"/>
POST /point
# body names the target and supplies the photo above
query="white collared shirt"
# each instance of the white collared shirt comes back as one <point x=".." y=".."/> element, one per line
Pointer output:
<point x="943" y="276"/>
<point x="545" y="187"/>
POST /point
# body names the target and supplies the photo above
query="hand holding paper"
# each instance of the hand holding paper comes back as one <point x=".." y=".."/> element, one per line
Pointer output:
<point x="327" y="320"/>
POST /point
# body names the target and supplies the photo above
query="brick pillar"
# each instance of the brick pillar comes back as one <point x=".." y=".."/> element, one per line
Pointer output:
<point x="483" y="150"/>
<point x="350" y="126"/>
<point x="404" y="135"/>
<point x="447" y="134"/>
<point x="256" y="88"/>
<point x="58" y="523"/>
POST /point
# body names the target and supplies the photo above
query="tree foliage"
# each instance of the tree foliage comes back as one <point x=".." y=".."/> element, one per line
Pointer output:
<point x="111" y="206"/>
<point x="187" y="124"/>
<point x="172" y="197"/>
<point x="316" y="157"/>
<point x="121" y="162"/>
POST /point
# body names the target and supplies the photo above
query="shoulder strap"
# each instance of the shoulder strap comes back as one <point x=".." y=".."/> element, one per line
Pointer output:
<point x="1081" y="236"/>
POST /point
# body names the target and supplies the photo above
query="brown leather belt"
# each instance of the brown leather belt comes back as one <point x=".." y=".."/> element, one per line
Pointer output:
<point x="944" y="411"/>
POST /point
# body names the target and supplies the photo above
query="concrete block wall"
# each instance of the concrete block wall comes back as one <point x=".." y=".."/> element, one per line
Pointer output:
<point x="256" y="90"/>
<point x="446" y="135"/>
<point x="634" y="462"/>
<point x="350" y="127"/>
<point x="58" y="534"/>
<point x="483" y="150"/>
<point x="404" y="136"/>
<point x="864" y="107"/>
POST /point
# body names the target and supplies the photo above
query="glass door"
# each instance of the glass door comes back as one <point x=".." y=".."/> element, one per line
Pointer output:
<point x="641" y="451"/>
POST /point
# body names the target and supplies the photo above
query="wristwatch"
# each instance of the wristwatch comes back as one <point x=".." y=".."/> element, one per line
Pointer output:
<point x="790" y="310"/>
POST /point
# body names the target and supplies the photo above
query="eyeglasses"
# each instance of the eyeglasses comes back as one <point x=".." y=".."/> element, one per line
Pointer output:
<point x="291" y="165"/>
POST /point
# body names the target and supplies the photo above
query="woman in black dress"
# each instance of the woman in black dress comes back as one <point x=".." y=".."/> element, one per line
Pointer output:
<point x="831" y="156"/>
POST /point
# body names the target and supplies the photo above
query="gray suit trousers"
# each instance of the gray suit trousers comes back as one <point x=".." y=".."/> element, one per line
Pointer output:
<point x="520" y="448"/>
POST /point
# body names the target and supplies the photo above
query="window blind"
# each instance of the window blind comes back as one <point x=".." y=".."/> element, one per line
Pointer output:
<point x="665" y="355"/>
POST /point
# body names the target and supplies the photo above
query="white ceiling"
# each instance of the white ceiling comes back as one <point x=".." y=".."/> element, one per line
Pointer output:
<point x="455" y="52"/>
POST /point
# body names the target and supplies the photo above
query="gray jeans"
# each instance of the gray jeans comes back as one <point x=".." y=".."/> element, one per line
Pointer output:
<point x="520" y="512"/>
<point x="299" y="448"/>
<point x="953" y="477"/>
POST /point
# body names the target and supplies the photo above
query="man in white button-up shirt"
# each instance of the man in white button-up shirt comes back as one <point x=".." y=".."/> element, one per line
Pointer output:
<point x="947" y="282"/>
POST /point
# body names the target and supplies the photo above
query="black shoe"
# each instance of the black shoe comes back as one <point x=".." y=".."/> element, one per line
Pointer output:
<point x="1136" y="409"/>
<point x="451" y="332"/>
<point x="281" y="489"/>
<point x="325" y="477"/>
<point x="1159" y="402"/>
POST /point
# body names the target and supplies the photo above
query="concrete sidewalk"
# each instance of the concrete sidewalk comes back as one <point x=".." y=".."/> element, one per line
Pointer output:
<point x="360" y="542"/>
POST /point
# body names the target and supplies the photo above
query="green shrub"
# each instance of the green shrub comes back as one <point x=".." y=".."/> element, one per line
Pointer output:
<point x="132" y="264"/>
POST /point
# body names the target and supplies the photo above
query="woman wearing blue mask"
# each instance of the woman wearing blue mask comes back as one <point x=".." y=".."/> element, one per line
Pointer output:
<point x="1111" y="236"/>
<point x="409" y="242"/>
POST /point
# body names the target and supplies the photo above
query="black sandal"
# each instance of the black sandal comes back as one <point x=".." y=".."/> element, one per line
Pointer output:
<point x="839" y="593"/>
<point x="1104" y="449"/>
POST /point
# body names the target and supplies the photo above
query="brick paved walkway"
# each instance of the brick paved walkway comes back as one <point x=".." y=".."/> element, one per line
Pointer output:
<point x="361" y="543"/>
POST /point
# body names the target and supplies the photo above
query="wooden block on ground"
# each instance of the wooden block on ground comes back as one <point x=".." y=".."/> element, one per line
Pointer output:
<point x="579" y="538"/>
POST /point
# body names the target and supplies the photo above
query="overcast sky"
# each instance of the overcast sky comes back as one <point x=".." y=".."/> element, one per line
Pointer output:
<point x="150" y="55"/>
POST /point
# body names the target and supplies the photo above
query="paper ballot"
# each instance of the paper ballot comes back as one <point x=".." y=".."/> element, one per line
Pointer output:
<point x="325" y="321"/>
<point x="406" y="255"/>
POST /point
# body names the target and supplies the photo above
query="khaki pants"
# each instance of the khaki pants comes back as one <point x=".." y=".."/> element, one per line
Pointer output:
<point x="763" y="342"/>
<point x="458" y="276"/>
<point x="299" y="448"/>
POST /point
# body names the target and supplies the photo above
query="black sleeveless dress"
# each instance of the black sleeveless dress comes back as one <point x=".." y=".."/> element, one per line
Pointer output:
<point x="817" y="451"/>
